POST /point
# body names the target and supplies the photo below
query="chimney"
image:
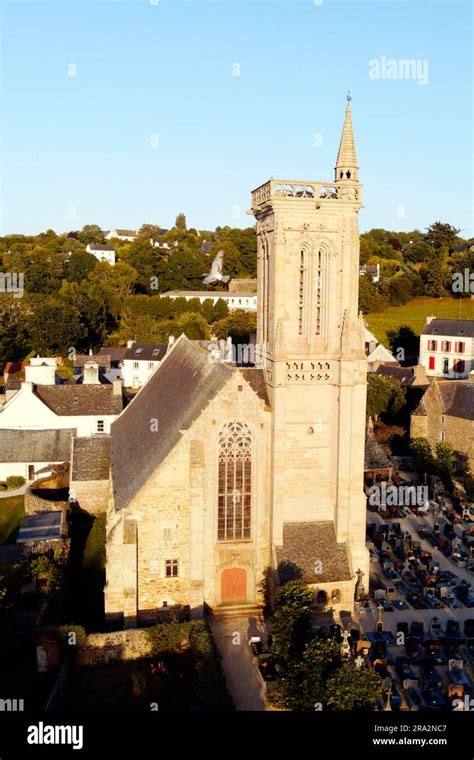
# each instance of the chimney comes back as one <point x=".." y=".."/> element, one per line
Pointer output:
<point x="430" y="319"/>
<point x="91" y="373"/>
<point x="117" y="387"/>
<point x="130" y="343"/>
<point x="171" y="340"/>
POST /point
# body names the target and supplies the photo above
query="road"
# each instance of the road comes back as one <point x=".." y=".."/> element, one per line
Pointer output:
<point x="244" y="682"/>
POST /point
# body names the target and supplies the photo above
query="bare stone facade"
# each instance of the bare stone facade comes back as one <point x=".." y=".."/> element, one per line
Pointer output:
<point x="446" y="413"/>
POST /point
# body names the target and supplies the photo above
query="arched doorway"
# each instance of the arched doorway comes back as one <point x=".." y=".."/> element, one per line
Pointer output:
<point x="234" y="586"/>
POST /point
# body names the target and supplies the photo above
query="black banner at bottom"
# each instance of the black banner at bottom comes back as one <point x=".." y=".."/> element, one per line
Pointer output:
<point x="122" y="735"/>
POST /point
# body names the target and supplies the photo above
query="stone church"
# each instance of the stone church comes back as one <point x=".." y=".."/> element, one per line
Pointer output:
<point x="222" y="475"/>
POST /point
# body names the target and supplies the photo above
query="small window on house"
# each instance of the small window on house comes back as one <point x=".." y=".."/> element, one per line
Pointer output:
<point x="442" y="419"/>
<point x="239" y="387"/>
<point x="431" y="362"/>
<point x="164" y="604"/>
<point x="171" y="568"/>
<point x="167" y="534"/>
<point x="151" y="365"/>
<point x="441" y="436"/>
<point x="138" y="351"/>
<point x="460" y="348"/>
<point x="135" y="365"/>
<point x="445" y="366"/>
<point x="100" y="426"/>
<point x="156" y="351"/>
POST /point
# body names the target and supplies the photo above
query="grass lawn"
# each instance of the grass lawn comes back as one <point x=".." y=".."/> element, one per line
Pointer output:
<point x="413" y="314"/>
<point x="132" y="686"/>
<point x="12" y="510"/>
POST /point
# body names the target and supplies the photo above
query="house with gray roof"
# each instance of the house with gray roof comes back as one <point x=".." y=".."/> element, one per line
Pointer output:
<point x="447" y="348"/>
<point x="26" y="452"/>
<point x="445" y="414"/>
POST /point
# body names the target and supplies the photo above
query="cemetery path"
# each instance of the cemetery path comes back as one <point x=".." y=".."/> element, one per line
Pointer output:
<point x="244" y="681"/>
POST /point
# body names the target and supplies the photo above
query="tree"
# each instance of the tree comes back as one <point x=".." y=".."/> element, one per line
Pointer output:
<point x="404" y="343"/>
<point x="180" y="222"/>
<point x="291" y="626"/>
<point x="445" y="463"/>
<point x="79" y="265"/>
<point x="351" y="688"/>
<point x="13" y="333"/>
<point x="422" y="457"/>
<point x="370" y="300"/>
<point x="55" y="327"/>
<point x="385" y="395"/>
<point x="441" y="234"/>
<point x="305" y="682"/>
<point x="91" y="233"/>
<point x="239" y="324"/>
<point x="112" y="283"/>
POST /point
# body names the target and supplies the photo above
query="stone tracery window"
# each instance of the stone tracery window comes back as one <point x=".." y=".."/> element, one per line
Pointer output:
<point x="235" y="482"/>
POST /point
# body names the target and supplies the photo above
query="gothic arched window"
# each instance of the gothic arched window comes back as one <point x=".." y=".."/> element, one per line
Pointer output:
<point x="235" y="482"/>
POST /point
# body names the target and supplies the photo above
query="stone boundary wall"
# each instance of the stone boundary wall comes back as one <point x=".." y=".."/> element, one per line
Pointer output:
<point x="131" y="644"/>
<point x="35" y="503"/>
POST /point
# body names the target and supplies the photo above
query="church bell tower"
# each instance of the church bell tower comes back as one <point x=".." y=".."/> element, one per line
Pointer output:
<point x="310" y="346"/>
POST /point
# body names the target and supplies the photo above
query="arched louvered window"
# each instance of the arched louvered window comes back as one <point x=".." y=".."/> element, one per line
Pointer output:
<point x="301" y="295"/>
<point x="319" y="291"/>
<point x="235" y="482"/>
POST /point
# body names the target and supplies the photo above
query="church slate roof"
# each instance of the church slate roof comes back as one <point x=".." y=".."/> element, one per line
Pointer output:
<point x="306" y="543"/>
<point x="175" y="395"/>
<point x="375" y="457"/>
<point x="91" y="458"/>
<point x="35" y="445"/>
<point x="256" y="379"/>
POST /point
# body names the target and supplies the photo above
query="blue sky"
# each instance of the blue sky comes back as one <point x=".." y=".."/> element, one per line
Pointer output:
<point x="80" y="149"/>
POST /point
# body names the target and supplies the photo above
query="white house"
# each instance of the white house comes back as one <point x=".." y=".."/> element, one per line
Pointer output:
<point x="447" y="347"/>
<point x="41" y="370"/>
<point x="140" y="361"/>
<point x="373" y="270"/>
<point x="27" y="452"/>
<point x="88" y="408"/>
<point x="376" y="352"/>
<point x="121" y="235"/>
<point x="239" y="300"/>
<point x="102" y="252"/>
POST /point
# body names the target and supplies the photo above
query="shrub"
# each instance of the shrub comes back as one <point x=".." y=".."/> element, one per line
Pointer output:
<point x="15" y="481"/>
<point x="166" y="637"/>
<point x="61" y="634"/>
<point x="210" y="689"/>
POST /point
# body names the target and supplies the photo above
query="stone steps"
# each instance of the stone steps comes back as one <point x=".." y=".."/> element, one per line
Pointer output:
<point x="252" y="610"/>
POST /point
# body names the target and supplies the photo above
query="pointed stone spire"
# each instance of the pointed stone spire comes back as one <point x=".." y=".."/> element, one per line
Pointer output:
<point x="346" y="164"/>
